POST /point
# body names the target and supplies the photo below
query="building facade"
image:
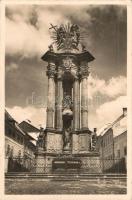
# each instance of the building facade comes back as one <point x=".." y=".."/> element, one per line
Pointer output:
<point x="14" y="137"/>
<point x="112" y="144"/>
<point x="120" y="146"/>
<point x="18" y="145"/>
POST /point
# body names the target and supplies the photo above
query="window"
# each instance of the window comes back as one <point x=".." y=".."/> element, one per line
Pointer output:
<point x="19" y="153"/>
<point x="107" y="139"/>
<point x="13" y="135"/>
<point x="125" y="151"/>
<point x="8" y="150"/>
<point x="104" y="143"/>
<point x="9" y="131"/>
<point x="118" y="153"/>
<point x="11" y="152"/>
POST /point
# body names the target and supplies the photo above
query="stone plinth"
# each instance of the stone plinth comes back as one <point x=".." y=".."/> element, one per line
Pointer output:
<point x="75" y="143"/>
<point x="54" y="141"/>
<point x="40" y="162"/>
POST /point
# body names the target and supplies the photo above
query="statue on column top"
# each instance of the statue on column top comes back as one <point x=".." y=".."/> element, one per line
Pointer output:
<point x="41" y="139"/>
<point x="66" y="37"/>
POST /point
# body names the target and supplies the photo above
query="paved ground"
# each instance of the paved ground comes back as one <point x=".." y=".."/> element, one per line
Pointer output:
<point x="63" y="187"/>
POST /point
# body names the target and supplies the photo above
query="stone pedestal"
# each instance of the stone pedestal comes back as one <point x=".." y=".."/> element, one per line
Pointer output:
<point x="75" y="143"/>
<point x="84" y="141"/>
<point x="40" y="161"/>
<point x="54" y="142"/>
<point x="91" y="164"/>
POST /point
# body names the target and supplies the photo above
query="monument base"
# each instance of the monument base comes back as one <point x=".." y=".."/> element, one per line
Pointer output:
<point x="67" y="162"/>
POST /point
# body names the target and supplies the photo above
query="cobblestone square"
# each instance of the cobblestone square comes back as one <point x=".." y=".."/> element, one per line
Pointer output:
<point x="63" y="187"/>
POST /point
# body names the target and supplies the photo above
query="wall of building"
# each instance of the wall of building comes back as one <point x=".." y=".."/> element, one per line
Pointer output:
<point x="18" y="145"/>
<point x="107" y="146"/>
<point x="29" y="150"/>
<point x="112" y="145"/>
<point x="13" y="148"/>
<point x="14" y="140"/>
<point x="120" y="146"/>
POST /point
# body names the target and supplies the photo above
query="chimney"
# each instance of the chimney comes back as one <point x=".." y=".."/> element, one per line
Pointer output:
<point x="125" y="111"/>
<point x="95" y="131"/>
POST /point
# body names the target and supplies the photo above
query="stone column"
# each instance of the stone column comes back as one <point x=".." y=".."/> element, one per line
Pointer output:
<point x="51" y="95"/>
<point x="76" y="104"/>
<point x="59" y="98"/>
<point x="84" y="96"/>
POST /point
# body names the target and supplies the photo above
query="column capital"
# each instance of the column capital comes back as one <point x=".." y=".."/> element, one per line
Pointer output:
<point x="59" y="76"/>
<point x="84" y="70"/>
<point x="50" y="110"/>
<point x="84" y="110"/>
<point x="84" y="73"/>
<point x="51" y="70"/>
<point x="77" y="77"/>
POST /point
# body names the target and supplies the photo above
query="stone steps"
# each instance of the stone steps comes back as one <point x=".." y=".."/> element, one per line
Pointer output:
<point x="65" y="176"/>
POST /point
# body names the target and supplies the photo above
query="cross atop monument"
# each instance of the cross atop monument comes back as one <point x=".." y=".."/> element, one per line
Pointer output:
<point x="53" y="27"/>
<point x="66" y="37"/>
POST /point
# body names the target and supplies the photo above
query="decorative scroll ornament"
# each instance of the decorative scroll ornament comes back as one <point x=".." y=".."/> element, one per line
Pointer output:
<point x="67" y="37"/>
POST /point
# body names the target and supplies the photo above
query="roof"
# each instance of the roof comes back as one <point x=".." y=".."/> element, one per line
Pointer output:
<point x="33" y="142"/>
<point x="10" y="119"/>
<point x="31" y="130"/>
<point x="34" y="135"/>
<point x="18" y="127"/>
<point x="8" y="116"/>
<point x="28" y="127"/>
<point x="114" y="124"/>
<point x="121" y="134"/>
<point x="120" y="127"/>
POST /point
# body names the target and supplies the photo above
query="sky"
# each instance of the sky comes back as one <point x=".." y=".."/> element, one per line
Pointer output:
<point x="104" y="32"/>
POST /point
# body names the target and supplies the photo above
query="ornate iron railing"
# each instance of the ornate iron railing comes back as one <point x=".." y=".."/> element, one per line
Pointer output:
<point x="21" y="164"/>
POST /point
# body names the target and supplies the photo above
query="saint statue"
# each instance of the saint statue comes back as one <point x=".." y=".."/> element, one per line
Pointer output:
<point x="41" y="139"/>
<point x="67" y="138"/>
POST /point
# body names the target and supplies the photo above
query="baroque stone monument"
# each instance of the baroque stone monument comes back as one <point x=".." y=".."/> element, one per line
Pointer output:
<point x="66" y="141"/>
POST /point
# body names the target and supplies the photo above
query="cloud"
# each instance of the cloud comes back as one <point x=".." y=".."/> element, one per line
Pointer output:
<point x="105" y="114"/>
<point x="24" y="39"/>
<point x="11" y="67"/>
<point x="24" y="35"/>
<point x="27" y="26"/>
<point x="37" y="116"/>
<point x="114" y="87"/>
<point x="109" y="111"/>
<point x="27" y="35"/>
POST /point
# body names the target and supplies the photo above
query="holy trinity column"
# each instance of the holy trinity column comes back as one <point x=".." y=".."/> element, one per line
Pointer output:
<point x="67" y="136"/>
